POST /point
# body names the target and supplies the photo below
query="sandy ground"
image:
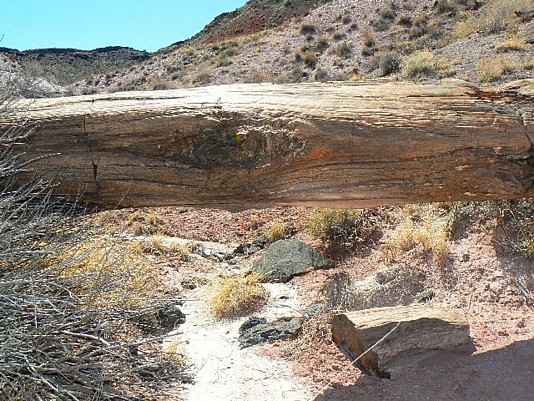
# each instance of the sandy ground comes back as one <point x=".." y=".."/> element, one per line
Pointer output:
<point x="223" y="371"/>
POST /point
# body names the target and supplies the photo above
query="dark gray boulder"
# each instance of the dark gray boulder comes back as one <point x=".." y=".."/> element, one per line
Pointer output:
<point x="256" y="330"/>
<point x="288" y="258"/>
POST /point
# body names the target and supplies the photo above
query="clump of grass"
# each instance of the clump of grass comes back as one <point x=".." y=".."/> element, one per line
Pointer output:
<point x="278" y="231"/>
<point x="388" y="62"/>
<point x="158" y="245"/>
<point x="369" y="46"/>
<point x="343" y="50"/>
<point x="490" y="68"/>
<point x="308" y="29"/>
<point x="142" y="223"/>
<point x="348" y="227"/>
<point x="422" y="230"/>
<point x="512" y="43"/>
<point x="422" y="63"/>
<point x="237" y="296"/>
<point x="517" y="222"/>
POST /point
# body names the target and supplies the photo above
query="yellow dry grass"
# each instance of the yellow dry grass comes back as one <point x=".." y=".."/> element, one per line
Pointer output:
<point x="106" y="270"/>
<point x="237" y="295"/>
<point x="512" y="43"/>
<point x="422" y="63"/>
<point x="491" y="68"/>
<point x="421" y="230"/>
<point x="278" y="231"/>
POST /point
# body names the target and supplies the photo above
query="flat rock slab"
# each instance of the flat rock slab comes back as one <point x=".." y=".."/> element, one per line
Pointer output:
<point x="257" y="330"/>
<point x="421" y="328"/>
<point x="286" y="259"/>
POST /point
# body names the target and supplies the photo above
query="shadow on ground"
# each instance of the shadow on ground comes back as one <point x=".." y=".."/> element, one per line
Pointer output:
<point x="505" y="374"/>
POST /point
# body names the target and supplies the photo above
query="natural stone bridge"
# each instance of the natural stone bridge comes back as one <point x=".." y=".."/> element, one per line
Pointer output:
<point x="329" y="144"/>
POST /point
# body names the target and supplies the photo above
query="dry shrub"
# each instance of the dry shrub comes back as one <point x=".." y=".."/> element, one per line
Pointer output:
<point x="160" y="245"/>
<point x="315" y="331"/>
<point x="105" y="270"/>
<point x="310" y="58"/>
<point x="69" y="295"/>
<point x="421" y="229"/>
<point x="423" y="63"/>
<point x="347" y="227"/>
<point x="512" y="43"/>
<point x="237" y="295"/>
<point x="529" y="65"/>
<point x="495" y="16"/>
<point x="490" y="68"/>
<point x="516" y="219"/>
<point x="343" y="50"/>
<point x="278" y="231"/>
<point x="388" y="62"/>
<point x="143" y="223"/>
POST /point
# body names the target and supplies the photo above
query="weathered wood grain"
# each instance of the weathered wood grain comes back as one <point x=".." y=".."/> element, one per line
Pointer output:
<point x="422" y="328"/>
<point x="330" y="144"/>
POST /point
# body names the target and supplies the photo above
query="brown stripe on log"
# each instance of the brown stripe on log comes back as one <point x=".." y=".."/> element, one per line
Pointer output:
<point x="329" y="144"/>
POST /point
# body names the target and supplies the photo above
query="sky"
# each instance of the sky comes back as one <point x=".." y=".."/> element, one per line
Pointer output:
<point x="89" y="24"/>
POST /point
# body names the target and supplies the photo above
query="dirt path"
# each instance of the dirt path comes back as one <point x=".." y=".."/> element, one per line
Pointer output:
<point x="224" y="372"/>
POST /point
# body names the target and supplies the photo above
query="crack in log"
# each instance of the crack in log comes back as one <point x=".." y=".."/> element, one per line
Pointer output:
<point x="93" y="161"/>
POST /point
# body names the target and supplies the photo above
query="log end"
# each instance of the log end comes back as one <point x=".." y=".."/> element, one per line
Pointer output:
<point x="397" y="332"/>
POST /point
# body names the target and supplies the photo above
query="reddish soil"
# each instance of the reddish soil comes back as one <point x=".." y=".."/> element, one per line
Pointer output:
<point x="494" y="290"/>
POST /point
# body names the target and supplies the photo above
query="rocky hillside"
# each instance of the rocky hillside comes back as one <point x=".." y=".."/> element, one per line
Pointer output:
<point x="488" y="41"/>
<point x="62" y="67"/>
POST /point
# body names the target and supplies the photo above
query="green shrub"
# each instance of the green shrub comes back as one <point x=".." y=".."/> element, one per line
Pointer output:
<point x="308" y="29"/>
<point x="343" y="50"/>
<point x="389" y="63"/>
<point x="341" y="226"/>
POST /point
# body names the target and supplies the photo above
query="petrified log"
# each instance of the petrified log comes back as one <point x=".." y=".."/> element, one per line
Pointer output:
<point x="330" y="144"/>
<point x="420" y="328"/>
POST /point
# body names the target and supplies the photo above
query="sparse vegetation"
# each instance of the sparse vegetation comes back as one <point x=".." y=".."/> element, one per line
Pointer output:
<point x="71" y="297"/>
<point x="495" y="16"/>
<point x="420" y="229"/>
<point x="517" y="221"/>
<point x="237" y="296"/>
<point x="388" y="63"/>
<point x="422" y="63"/>
<point x="343" y="50"/>
<point x="512" y="43"/>
<point x="341" y="226"/>
<point x="491" y="69"/>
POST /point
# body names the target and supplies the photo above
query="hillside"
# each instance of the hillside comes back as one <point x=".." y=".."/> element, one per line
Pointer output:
<point x="291" y="41"/>
<point x="62" y="67"/>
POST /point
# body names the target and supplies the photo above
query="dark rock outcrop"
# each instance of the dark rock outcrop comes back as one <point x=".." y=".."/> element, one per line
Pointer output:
<point x="256" y="330"/>
<point x="286" y="259"/>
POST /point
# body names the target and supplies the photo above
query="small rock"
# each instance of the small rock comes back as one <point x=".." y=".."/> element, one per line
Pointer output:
<point x="286" y="259"/>
<point x="256" y="330"/>
<point x="170" y="316"/>
<point x="425" y="296"/>
<point x="466" y="257"/>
